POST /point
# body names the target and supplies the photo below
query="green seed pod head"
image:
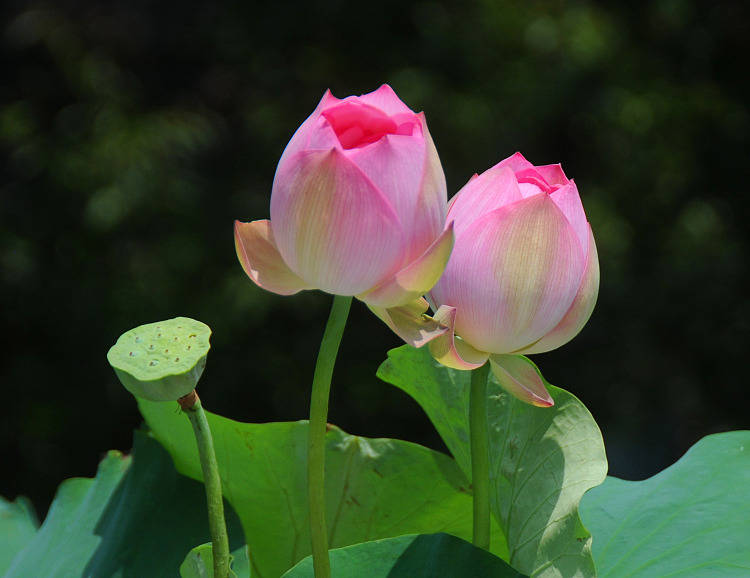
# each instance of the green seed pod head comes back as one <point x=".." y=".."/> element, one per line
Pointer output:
<point x="161" y="361"/>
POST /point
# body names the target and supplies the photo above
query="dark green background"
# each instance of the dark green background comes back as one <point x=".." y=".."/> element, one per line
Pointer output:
<point x="133" y="133"/>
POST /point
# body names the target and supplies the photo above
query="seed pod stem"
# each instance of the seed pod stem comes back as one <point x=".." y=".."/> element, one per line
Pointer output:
<point x="191" y="405"/>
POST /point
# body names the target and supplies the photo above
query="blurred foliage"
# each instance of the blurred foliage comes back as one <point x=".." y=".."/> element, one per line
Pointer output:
<point x="133" y="133"/>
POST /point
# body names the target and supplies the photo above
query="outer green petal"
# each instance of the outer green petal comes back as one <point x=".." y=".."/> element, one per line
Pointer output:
<point x="410" y="323"/>
<point x="432" y="203"/>
<point x="449" y="349"/>
<point x="521" y="378"/>
<point x="261" y="260"/>
<point x="416" y="279"/>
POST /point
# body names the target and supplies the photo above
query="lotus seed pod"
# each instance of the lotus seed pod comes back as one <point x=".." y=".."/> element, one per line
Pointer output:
<point x="161" y="361"/>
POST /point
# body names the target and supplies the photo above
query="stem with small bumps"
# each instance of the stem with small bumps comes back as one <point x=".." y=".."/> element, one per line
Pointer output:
<point x="191" y="405"/>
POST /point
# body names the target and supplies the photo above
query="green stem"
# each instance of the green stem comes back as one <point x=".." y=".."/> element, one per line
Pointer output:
<point x="212" y="482"/>
<point x="480" y="457"/>
<point x="316" y="449"/>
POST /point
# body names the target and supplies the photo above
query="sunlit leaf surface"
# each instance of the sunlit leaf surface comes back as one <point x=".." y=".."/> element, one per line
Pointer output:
<point x="692" y="520"/>
<point x="375" y="488"/>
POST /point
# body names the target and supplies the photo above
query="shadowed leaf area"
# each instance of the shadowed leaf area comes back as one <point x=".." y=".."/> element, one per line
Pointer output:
<point x="137" y="518"/>
<point x="18" y="524"/>
<point x="422" y="556"/>
<point x="542" y="460"/>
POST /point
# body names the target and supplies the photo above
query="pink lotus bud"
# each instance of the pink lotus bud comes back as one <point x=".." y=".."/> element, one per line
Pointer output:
<point x="358" y="206"/>
<point x="524" y="274"/>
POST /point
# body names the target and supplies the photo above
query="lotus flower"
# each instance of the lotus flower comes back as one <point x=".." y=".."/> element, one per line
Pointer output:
<point x="358" y="207"/>
<point x="523" y="276"/>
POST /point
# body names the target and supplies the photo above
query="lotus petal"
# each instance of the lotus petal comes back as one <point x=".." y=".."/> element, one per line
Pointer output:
<point x="579" y="312"/>
<point x="332" y="225"/>
<point x="416" y="279"/>
<point x="261" y="259"/>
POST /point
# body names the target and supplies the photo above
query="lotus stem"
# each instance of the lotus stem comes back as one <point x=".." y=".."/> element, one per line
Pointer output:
<point x="316" y="449"/>
<point x="480" y="457"/>
<point x="191" y="405"/>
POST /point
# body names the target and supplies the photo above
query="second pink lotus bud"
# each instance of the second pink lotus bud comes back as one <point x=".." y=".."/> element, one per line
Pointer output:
<point x="523" y="276"/>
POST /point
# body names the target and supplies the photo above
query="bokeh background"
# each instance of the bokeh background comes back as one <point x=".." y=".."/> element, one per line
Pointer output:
<point x="134" y="132"/>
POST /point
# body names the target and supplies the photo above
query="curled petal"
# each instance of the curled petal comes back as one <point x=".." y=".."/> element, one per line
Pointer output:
<point x="512" y="275"/>
<point x="568" y="201"/>
<point x="553" y="174"/>
<point x="332" y="226"/>
<point x="531" y="180"/>
<point x="410" y="323"/>
<point x="417" y="278"/>
<point x="261" y="259"/>
<point x="451" y="350"/>
<point x="357" y="124"/>
<point x="521" y="378"/>
<point x="580" y="310"/>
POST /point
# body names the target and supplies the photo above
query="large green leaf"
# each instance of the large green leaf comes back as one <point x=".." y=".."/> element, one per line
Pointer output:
<point x="18" y="525"/>
<point x="542" y="460"/>
<point x="67" y="540"/>
<point x="691" y="520"/>
<point x="411" y="556"/>
<point x="375" y="488"/>
<point x="138" y="517"/>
